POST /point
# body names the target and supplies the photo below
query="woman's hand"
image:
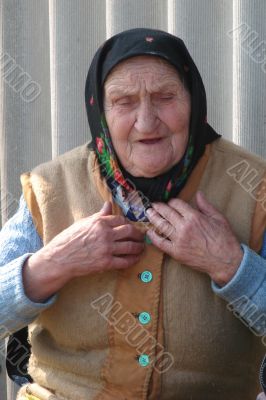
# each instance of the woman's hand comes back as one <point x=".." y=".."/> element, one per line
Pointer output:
<point x="201" y="238"/>
<point x="98" y="243"/>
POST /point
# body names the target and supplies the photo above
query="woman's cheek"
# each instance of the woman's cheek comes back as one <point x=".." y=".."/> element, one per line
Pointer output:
<point x="178" y="122"/>
<point x="126" y="126"/>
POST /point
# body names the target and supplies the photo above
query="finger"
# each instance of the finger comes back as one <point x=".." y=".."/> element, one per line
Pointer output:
<point x="168" y="212"/>
<point x="161" y="224"/>
<point x="205" y="207"/>
<point x="124" y="261"/>
<point x="115" y="220"/>
<point x="183" y="208"/>
<point x="128" y="248"/>
<point x="128" y="231"/>
<point x="163" y="244"/>
<point x="106" y="208"/>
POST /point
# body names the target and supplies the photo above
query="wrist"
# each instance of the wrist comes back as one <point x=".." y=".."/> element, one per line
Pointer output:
<point x="223" y="273"/>
<point x="41" y="277"/>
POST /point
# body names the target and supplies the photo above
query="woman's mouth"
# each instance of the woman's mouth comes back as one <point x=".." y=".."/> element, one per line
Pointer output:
<point x="150" y="141"/>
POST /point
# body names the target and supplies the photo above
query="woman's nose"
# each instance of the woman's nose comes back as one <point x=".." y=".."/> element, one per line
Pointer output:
<point x="146" y="118"/>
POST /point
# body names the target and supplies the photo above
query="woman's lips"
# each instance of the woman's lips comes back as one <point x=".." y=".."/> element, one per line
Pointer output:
<point x="150" y="141"/>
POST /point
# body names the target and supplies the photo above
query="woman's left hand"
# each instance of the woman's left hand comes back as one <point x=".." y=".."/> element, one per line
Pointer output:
<point x="202" y="238"/>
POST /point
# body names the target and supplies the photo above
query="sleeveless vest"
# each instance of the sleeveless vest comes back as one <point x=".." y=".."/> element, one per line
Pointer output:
<point x="90" y="344"/>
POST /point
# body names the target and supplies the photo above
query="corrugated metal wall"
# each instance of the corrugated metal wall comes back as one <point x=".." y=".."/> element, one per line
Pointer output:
<point x="46" y="48"/>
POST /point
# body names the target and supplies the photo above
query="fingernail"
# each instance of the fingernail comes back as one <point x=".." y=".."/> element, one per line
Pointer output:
<point x="148" y="211"/>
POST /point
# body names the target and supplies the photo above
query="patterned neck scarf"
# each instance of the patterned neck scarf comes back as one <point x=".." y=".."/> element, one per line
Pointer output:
<point x="133" y="194"/>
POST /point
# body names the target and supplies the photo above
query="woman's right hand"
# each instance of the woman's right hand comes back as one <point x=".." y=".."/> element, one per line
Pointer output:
<point x="94" y="244"/>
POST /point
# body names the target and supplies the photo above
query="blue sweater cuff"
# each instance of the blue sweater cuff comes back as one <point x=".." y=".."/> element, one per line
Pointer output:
<point x="246" y="281"/>
<point x="13" y="297"/>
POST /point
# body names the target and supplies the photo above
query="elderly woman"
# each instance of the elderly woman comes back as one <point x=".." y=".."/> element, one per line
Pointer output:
<point x="134" y="227"/>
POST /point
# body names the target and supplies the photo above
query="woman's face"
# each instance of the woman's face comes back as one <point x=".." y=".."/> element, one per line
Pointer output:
<point x="147" y="109"/>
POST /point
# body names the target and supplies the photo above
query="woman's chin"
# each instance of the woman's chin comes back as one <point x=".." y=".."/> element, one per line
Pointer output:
<point x="150" y="170"/>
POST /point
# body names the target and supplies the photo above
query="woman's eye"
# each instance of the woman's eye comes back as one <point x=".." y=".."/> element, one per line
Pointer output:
<point x="167" y="96"/>
<point x="125" y="101"/>
<point x="164" y="97"/>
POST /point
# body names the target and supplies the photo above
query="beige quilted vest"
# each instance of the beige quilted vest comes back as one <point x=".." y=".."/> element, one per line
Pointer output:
<point x="86" y="346"/>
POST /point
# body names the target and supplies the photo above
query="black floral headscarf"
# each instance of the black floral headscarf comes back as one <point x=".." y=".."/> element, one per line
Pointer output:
<point x="131" y="193"/>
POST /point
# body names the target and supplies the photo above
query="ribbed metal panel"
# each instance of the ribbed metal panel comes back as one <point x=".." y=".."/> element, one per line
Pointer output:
<point x="203" y="26"/>
<point x="126" y="14"/>
<point x="77" y="28"/>
<point x="26" y="124"/>
<point x="249" y="75"/>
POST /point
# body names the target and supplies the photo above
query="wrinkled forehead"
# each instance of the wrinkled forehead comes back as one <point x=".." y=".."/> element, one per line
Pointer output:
<point x="132" y="71"/>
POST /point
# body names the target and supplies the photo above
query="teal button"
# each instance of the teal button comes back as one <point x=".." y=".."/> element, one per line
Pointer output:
<point x="144" y="318"/>
<point x="148" y="240"/>
<point x="146" y="276"/>
<point x="144" y="360"/>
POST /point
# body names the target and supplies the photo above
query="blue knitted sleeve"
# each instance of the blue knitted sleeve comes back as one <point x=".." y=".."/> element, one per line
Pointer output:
<point x="18" y="240"/>
<point x="245" y="294"/>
